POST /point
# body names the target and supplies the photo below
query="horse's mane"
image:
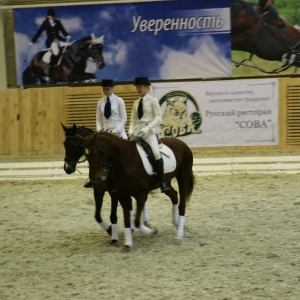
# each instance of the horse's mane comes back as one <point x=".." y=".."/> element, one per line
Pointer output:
<point x="110" y="134"/>
<point x="82" y="130"/>
<point x="77" y="44"/>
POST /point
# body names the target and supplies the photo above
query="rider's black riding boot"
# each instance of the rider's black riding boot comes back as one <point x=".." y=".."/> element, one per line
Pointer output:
<point x="160" y="174"/>
<point x="53" y="62"/>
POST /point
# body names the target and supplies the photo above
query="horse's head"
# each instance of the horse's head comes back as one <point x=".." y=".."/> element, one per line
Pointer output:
<point x="259" y="29"/>
<point x="96" y="156"/>
<point x="95" y="50"/>
<point x="73" y="147"/>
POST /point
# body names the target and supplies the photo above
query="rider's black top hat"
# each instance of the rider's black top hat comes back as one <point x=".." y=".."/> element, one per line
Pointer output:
<point x="51" y="12"/>
<point x="107" y="82"/>
<point x="141" y="80"/>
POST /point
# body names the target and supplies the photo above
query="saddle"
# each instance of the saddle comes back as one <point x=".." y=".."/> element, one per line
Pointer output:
<point x="48" y="54"/>
<point x="148" y="152"/>
<point x="148" y="159"/>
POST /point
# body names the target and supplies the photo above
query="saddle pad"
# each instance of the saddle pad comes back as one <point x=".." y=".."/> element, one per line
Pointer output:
<point x="166" y="154"/>
<point x="47" y="56"/>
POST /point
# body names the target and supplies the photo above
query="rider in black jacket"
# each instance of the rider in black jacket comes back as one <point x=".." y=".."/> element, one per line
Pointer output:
<point x="53" y="27"/>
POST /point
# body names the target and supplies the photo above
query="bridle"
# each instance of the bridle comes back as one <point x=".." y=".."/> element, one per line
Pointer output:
<point x="93" y="54"/>
<point x="78" y="152"/>
<point x="288" y="58"/>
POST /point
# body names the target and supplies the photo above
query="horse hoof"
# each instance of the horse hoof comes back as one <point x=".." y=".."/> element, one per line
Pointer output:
<point x="125" y="249"/>
<point x="154" y="230"/>
<point x="146" y="223"/>
<point x="179" y="237"/>
<point x="177" y="240"/>
<point x="114" y="243"/>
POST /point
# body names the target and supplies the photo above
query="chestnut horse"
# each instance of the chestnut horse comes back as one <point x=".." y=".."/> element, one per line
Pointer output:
<point x="107" y="153"/>
<point x="73" y="153"/>
<point x="260" y="30"/>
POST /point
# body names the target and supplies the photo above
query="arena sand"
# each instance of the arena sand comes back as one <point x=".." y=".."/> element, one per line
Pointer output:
<point x="242" y="241"/>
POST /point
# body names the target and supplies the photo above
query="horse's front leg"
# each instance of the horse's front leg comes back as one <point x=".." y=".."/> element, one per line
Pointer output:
<point x="114" y="217"/>
<point x="126" y="206"/>
<point x="99" y="192"/>
<point x="145" y="216"/>
<point x="141" y="207"/>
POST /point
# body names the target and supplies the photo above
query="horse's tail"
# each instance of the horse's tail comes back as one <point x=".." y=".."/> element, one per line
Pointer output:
<point x="185" y="176"/>
<point x="190" y="186"/>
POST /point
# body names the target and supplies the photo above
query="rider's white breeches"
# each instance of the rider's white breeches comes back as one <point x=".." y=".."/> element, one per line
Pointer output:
<point x="151" y="139"/>
<point x="54" y="48"/>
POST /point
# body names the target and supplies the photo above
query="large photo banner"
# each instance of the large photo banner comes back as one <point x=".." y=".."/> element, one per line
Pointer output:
<point x="164" y="40"/>
<point x="265" y="37"/>
<point x="220" y="113"/>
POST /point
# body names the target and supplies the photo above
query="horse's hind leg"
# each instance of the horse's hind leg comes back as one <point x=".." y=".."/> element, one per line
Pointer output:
<point x="173" y="195"/>
<point x="145" y="215"/>
<point x="184" y="185"/>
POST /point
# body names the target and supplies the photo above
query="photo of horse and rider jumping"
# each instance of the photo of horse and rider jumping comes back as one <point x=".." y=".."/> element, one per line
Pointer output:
<point x="255" y="38"/>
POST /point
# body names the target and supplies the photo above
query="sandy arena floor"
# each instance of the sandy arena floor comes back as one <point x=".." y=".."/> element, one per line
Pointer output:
<point x="242" y="241"/>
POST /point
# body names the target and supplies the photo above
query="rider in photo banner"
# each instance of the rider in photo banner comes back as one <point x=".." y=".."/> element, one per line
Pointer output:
<point x="53" y="27"/>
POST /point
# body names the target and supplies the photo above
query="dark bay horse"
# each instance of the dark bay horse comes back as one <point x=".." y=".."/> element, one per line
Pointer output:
<point x="109" y="153"/>
<point x="260" y="30"/>
<point x="72" y="65"/>
<point x="73" y="152"/>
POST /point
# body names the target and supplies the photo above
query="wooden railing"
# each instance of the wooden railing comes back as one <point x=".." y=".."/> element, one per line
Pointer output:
<point x="30" y="118"/>
<point x="202" y="167"/>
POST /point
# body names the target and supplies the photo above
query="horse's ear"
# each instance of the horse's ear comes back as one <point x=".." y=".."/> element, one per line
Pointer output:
<point x="74" y="128"/>
<point x="64" y="127"/>
<point x="99" y="40"/>
<point x="264" y="3"/>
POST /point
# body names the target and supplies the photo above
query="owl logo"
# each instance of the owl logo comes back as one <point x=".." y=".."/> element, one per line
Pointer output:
<point x="175" y="112"/>
<point x="178" y="119"/>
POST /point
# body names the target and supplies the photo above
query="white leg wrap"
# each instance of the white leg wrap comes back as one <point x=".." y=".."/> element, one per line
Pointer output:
<point x="144" y="229"/>
<point x="104" y="225"/>
<point x="128" y="237"/>
<point x="180" y="227"/>
<point x="145" y="213"/>
<point x="114" y="231"/>
<point x="175" y="214"/>
<point x="132" y="226"/>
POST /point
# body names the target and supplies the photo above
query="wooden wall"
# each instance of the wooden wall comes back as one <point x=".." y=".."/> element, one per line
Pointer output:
<point x="30" y="118"/>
